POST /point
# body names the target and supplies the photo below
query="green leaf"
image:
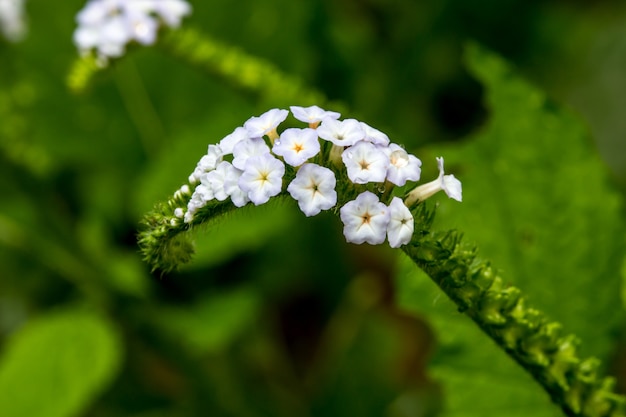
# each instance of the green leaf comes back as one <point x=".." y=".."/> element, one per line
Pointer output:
<point x="538" y="204"/>
<point x="56" y="365"/>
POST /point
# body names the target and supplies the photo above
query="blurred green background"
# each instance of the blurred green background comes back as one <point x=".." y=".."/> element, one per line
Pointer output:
<point x="277" y="315"/>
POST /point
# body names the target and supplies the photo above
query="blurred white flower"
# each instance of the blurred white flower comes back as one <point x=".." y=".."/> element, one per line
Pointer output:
<point x="12" y="19"/>
<point x="107" y="26"/>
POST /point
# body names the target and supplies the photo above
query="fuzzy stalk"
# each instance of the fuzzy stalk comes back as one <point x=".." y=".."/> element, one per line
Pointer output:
<point x="236" y="67"/>
<point x="524" y="333"/>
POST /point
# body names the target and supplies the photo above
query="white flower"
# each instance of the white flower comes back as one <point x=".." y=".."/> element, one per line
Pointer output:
<point x="312" y="115"/>
<point x="230" y="141"/>
<point x="179" y="212"/>
<point x="403" y="166"/>
<point x="109" y="25"/>
<point x="448" y="183"/>
<point x="201" y="195"/>
<point x="365" y="163"/>
<point x="374" y="135"/>
<point x="341" y="133"/>
<point x="231" y="186"/>
<point x="141" y="28"/>
<point x="262" y="178"/>
<point x="365" y="219"/>
<point x="12" y="22"/>
<point x="248" y="148"/>
<point x="400" y="228"/>
<point x="215" y="180"/>
<point x="297" y="145"/>
<point x="314" y="189"/>
<point x="207" y="163"/>
<point x="266" y="123"/>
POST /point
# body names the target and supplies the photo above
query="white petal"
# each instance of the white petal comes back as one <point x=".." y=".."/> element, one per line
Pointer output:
<point x="452" y="187"/>
<point x="312" y="114"/>
<point x="401" y="224"/>
<point x="341" y="133"/>
<point x="248" y="148"/>
<point x="265" y="123"/>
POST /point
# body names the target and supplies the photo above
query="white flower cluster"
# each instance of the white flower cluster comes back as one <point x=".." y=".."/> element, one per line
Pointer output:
<point x="12" y="24"/>
<point x="109" y="25"/>
<point x="247" y="167"/>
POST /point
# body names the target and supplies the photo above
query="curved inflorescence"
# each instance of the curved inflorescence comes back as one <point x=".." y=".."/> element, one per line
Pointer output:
<point x="330" y="164"/>
<point x="352" y="169"/>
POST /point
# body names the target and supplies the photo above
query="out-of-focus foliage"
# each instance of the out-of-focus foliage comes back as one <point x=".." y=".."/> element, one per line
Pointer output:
<point x="520" y="173"/>
<point x="277" y="316"/>
<point x="57" y="364"/>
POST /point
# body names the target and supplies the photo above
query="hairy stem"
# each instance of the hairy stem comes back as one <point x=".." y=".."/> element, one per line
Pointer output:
<point x="241" y="70"/>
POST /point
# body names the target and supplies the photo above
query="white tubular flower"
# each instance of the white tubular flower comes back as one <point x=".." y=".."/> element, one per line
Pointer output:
<point x="230" y="141"/>
<point x="248" y="148"/>
<point x="314" y="189"/>
<point x="403" y="166"/>
<point x="12" y="22"/>
<point x="266" y="123"/>
<point x="374" y="135"/>
<point x="401" y="224"/>
<point x="297" y="145"/>
<point x="262" y="178"/>
<point x="231" y="186"/>
<point x="207" y="163"/>
<point x="312" y="115"/>
<point x="365" y="219"/>
<point x="365" y="163"/>
<point x="341" y="132"/>
<point x="202" y="194"/>
<point x="448" y="183"/>
<point x="215" y="180"/>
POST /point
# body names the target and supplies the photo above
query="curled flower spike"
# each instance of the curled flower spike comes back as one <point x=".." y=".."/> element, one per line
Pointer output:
<point x="448" y="183"/>
<point x="254" y="162"/>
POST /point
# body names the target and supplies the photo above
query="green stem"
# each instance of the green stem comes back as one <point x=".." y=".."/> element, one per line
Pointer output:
<point x="501" y="311"/>
<point x="239" y="69"/>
